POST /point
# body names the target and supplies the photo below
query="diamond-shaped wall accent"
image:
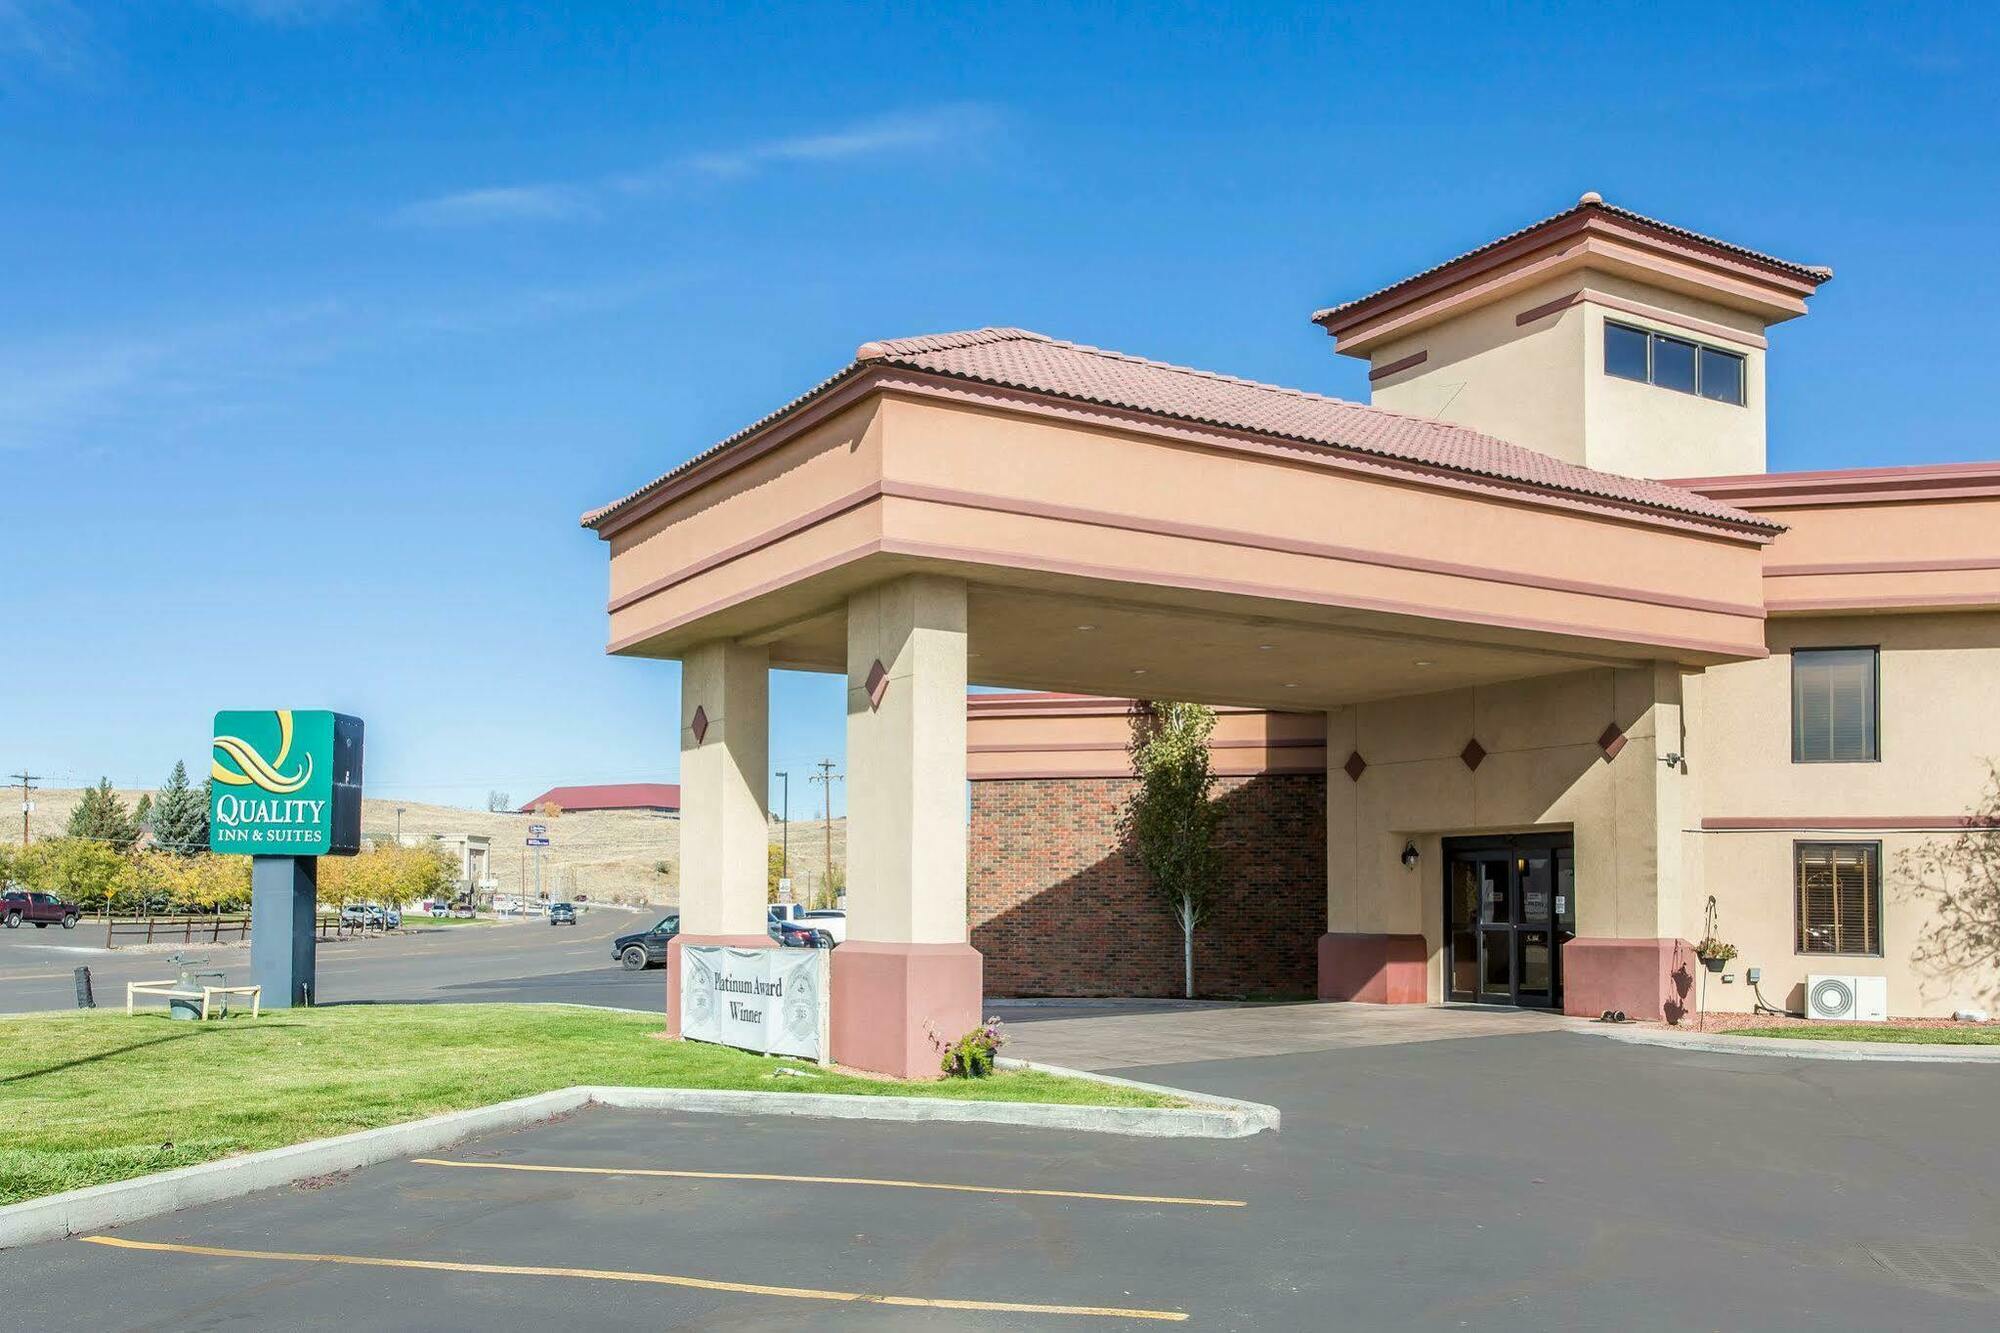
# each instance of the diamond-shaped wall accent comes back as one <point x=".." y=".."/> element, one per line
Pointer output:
<point x="878" y="684"/>
<point x="699" y="726"/>
<point x="1612" y="741"/>
<point x="1355" y="766"/>
<point x="1474" y="754"/>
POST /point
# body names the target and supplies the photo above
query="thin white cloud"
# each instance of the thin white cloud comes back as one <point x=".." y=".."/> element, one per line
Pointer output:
<point x="507" y="203"/>
<point x="938" y="127"/>
<point x="55" y="390"/>
<point x="162" y="382"/>
<point x="48" y="36"/>
<point x="954" y="126"/>
<point x="297" y="12"/>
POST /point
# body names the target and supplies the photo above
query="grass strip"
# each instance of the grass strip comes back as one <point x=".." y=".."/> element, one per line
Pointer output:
<point x="97" y="1097"/>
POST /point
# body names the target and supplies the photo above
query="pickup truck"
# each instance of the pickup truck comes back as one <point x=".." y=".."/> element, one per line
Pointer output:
<point x="41" y="910"/>
<point x="829" y="923"/>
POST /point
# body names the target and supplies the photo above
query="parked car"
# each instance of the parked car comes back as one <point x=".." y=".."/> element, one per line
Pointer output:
<point x="393" y="918"/>
<point x="562" y="914"/>
<point x="646" y="948"/>
<point x="830" y="922"/>
<point x="802" y="935"/>
<point x="362" y="914"/>
<point x="41" y="910"/>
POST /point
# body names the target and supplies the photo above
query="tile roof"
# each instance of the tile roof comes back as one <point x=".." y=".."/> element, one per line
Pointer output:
<point x="1035" y="362"/>
<point x="610" y="796"/>
<point x="1591" y="202"/>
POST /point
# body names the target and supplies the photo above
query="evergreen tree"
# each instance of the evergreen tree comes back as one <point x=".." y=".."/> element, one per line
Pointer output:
<point x="180" y="815"/>
<point x="102" y="818"/>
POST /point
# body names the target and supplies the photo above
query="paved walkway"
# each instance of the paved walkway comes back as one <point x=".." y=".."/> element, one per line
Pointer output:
<point x="1123" y="1035"/>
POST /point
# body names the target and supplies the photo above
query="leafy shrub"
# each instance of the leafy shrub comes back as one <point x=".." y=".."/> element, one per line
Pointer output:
<point x="972" y="1055"/>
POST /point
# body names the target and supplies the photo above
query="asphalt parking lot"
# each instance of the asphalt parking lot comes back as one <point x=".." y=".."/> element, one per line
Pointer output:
<point x="529" y="961"/>
<point x="1522" y="1181"/>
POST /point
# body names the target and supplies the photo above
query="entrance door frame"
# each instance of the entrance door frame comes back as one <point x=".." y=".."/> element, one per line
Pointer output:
<point x="1510" y="847"/>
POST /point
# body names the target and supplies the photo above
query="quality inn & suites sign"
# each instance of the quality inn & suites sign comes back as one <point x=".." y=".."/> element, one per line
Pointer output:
<point x="285" y="783"/>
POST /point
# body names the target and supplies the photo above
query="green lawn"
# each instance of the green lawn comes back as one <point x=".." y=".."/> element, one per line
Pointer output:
<point x="97" y="1097"/>
<point x="1913" y="1036"/>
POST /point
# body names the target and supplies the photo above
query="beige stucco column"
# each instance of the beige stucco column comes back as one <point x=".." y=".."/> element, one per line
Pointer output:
<point x="1633" y="874"/>
<point x="725" y="744"/>
<point x="906" y="968"/>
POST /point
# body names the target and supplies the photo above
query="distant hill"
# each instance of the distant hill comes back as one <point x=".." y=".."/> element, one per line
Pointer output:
<point x="603" y="853"/>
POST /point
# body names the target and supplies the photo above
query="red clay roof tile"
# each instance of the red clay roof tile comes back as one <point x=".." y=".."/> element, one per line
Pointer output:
<point x="1035" y="362"/>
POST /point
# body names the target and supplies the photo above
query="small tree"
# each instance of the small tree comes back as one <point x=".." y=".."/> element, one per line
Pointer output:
<point x="180" y="815"/>
<point x="832" y="885"/>
<point x="1959" y="879"/>
<point x="101" y="816"/>
<point x="774" y="870"/>
<point x="497" y="802"/>
<point x="1169" y="817"/>
<point x="83" y="870"/>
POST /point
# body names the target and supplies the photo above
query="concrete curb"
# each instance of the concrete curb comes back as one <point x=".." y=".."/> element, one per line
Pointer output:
<point x="1253" y="1116"/>
<point x="1788" y="1048"/>
<point x="1209" y="1118"/>
<point x="122" y="1201"/>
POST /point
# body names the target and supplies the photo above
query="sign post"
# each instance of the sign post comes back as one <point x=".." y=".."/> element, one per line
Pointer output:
<point x="286" y="791"/>
<point x="538" y="838"/>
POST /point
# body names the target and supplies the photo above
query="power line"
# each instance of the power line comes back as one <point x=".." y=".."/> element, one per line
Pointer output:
<point x="826" y="777"/>
<point x="27" y="781"/>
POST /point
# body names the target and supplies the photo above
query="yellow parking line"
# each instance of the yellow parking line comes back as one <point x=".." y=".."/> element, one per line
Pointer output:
<point x="655" y="1279"/>
<point x="834" y="1180"/>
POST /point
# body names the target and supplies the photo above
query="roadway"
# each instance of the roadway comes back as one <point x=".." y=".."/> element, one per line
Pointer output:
<point x="516" y="961"/>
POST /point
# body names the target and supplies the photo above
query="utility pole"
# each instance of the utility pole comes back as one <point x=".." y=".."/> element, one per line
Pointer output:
<point x="27" y="781"/>
<point x="826" y="777"/>
<point x="785" y="828"/>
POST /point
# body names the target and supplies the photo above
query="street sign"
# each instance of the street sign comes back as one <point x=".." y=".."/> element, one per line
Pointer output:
<point x="285" y="783"/>
<point x="538" y="842"/>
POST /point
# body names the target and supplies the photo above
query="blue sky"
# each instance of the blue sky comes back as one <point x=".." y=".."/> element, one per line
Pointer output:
<point x="324" y="319"/>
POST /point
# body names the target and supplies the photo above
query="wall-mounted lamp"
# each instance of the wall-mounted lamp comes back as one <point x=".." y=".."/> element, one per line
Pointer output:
<point x="1672" y="760"/>
<point x="1409" y="856"/>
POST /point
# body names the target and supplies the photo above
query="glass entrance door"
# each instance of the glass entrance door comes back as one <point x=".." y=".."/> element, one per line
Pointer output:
<point x="1509" y="908"/>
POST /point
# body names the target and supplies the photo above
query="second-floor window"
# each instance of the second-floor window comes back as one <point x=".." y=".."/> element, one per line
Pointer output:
<point x="1836" y="706"/>
<point x="1673" y="363"/>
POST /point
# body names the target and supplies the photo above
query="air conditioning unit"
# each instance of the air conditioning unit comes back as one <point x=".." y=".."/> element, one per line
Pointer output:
<point x="1849" y="999"/>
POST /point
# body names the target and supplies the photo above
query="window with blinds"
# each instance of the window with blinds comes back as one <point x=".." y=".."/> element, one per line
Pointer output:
<point x="1834" y="706"/>
<point x="1839" y="897"/>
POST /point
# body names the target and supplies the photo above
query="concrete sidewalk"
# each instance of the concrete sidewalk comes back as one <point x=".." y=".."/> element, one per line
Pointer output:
<point x="1124" y="1035"/>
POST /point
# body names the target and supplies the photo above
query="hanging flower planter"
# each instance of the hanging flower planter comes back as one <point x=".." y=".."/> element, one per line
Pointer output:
<point x="1714" y="953"/>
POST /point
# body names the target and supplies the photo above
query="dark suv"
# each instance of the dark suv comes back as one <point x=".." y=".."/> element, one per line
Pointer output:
<point x="40" y="909"/>
<point x="646" y="948"/>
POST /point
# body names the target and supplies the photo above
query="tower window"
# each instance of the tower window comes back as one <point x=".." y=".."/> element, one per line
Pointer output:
<point x="1673" y="363"/>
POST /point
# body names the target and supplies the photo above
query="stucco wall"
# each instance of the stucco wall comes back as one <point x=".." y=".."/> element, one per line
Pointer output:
<point x="1541" y="384"/>
<point x="1543" y="768"/>
<point x="1523" y="384"/>
<point x="1940" y="677"/>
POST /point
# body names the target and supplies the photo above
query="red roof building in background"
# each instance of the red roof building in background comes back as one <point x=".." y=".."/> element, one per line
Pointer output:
<point x="664" y="797"/>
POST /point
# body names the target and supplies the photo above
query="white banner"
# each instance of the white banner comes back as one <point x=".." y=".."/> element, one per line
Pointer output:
<point x="768" y="1000"/>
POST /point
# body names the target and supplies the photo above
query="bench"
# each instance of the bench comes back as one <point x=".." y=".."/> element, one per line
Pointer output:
<point x="171" y="990"/>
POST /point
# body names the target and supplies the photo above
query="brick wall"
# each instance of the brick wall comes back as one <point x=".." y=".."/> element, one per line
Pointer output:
<point x="1058" y="906"/>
